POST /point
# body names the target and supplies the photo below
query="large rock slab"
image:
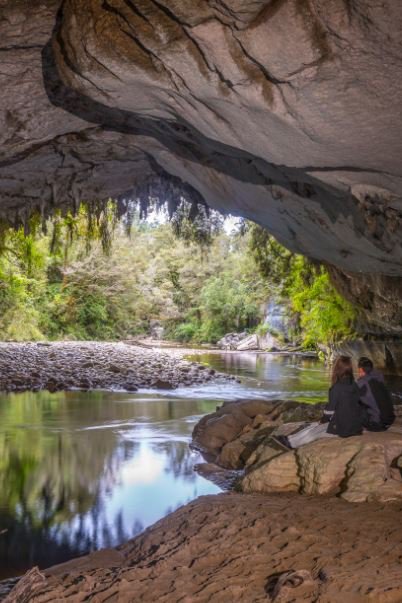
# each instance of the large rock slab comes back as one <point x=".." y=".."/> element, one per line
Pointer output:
<point x="242" y="424"/>
<point x="357" y="469"/>
<point x="243" y="548"/>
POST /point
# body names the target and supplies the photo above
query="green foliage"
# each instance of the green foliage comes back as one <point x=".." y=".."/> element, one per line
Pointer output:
<point x="322" y="314"/>
<point x="274" y="261"/>
<point x="325" y="317"/>
<point x="185" y="332"/>
<point x="85" y="287"/>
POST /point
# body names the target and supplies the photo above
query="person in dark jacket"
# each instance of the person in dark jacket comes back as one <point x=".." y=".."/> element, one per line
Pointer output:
<point x="374" y="397"/>
<point x="343" y="414"/>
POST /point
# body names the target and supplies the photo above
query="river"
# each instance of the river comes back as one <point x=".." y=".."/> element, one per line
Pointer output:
<point x="81" y="471"/>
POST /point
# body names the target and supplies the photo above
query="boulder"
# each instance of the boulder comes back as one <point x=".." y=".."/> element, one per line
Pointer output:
<point x="231" y="340"/>
<point x="276" y="472"/>
<point x="250" y="343"/>
<point x="270" y="343"/>
<point x="218" y="430"/>
<point x="230" y="456"/>
<point x="358" y="469"/>
<point x="254" y="419"/>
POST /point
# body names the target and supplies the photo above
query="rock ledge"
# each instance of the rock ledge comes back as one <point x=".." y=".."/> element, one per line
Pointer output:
<point x="244" y="548"/>
<point x="238" y="436"/>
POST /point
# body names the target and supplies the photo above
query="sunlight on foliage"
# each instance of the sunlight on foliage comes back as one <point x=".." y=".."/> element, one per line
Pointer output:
<point x="324" y="316"/>
<point x="104" y="273"/>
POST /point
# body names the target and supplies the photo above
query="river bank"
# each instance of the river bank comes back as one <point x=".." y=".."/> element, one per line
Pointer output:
<point x="181" y="349"/>
<point x="96" y="365"/>
<point x="244" y="548"/>
<point x="222" y="547"/>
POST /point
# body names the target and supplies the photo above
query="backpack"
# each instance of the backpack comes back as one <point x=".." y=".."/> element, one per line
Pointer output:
<point x="384" y="401"/>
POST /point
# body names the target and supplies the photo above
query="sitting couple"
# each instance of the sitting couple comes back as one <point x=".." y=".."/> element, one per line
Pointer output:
<point x="352" y="407"/>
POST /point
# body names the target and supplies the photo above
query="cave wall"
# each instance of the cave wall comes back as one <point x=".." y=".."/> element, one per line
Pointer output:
<point x="286" y="112"/>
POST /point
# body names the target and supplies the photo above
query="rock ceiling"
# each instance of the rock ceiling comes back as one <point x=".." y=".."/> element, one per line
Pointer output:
<point x="287" y="112"/>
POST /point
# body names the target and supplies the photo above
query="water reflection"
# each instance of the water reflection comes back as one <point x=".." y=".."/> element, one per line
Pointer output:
<point x="81" y="471"/>
<point x="271" y="376"/>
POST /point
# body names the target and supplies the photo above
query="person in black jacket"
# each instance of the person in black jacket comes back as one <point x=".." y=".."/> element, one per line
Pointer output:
<point x="343" y="414"/>
<point x="375" y="397"/>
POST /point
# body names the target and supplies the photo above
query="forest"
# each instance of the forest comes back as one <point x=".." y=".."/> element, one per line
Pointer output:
<point x="104" y="279"/>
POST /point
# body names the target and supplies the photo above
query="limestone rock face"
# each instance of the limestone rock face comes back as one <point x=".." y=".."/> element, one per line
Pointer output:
<point x="287" y="113"/>
<point x="386" y="354"/>
<point x="357" y="469"/>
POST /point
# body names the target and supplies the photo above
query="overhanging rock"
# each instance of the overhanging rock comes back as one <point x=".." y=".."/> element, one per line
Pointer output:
<point x="285" y="112"/>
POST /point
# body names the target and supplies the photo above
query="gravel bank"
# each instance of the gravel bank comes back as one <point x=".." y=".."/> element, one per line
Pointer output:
<point x="94" y="365"/>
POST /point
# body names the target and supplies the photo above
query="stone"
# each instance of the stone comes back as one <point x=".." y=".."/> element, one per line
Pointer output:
<point x="219" y="429"/>
<point x="258" y="421"/>
<point x="161" y="384"/>
<point x="270" y="343"/>
<point x="250" y="343"/>
<point x="251" y="421"/>
<point x="277" y="471"/>
<point x="235" y="453"/>
<point x="69" y="365"/>
<point x="226" y="480"/>
<point x="231" y="340"/>
<point x="25" y="589"/>
<point x="357" y="469"/>
<point x="230" y="456"/>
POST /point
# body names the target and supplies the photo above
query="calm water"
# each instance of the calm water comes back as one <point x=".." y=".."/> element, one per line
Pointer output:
<point x="80" y="471"/>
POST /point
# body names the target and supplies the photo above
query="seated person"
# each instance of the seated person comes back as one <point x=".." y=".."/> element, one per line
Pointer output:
<point x="374" y="397"/>
<point x="343" y="415"/>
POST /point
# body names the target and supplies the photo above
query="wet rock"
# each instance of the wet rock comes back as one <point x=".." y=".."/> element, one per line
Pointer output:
<point x="160" y="384"/>
<point x="231" y="453"/>
<point x="218" y="475"/>
<point x="130" y="387"/>
<point x="219" y="430"/>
